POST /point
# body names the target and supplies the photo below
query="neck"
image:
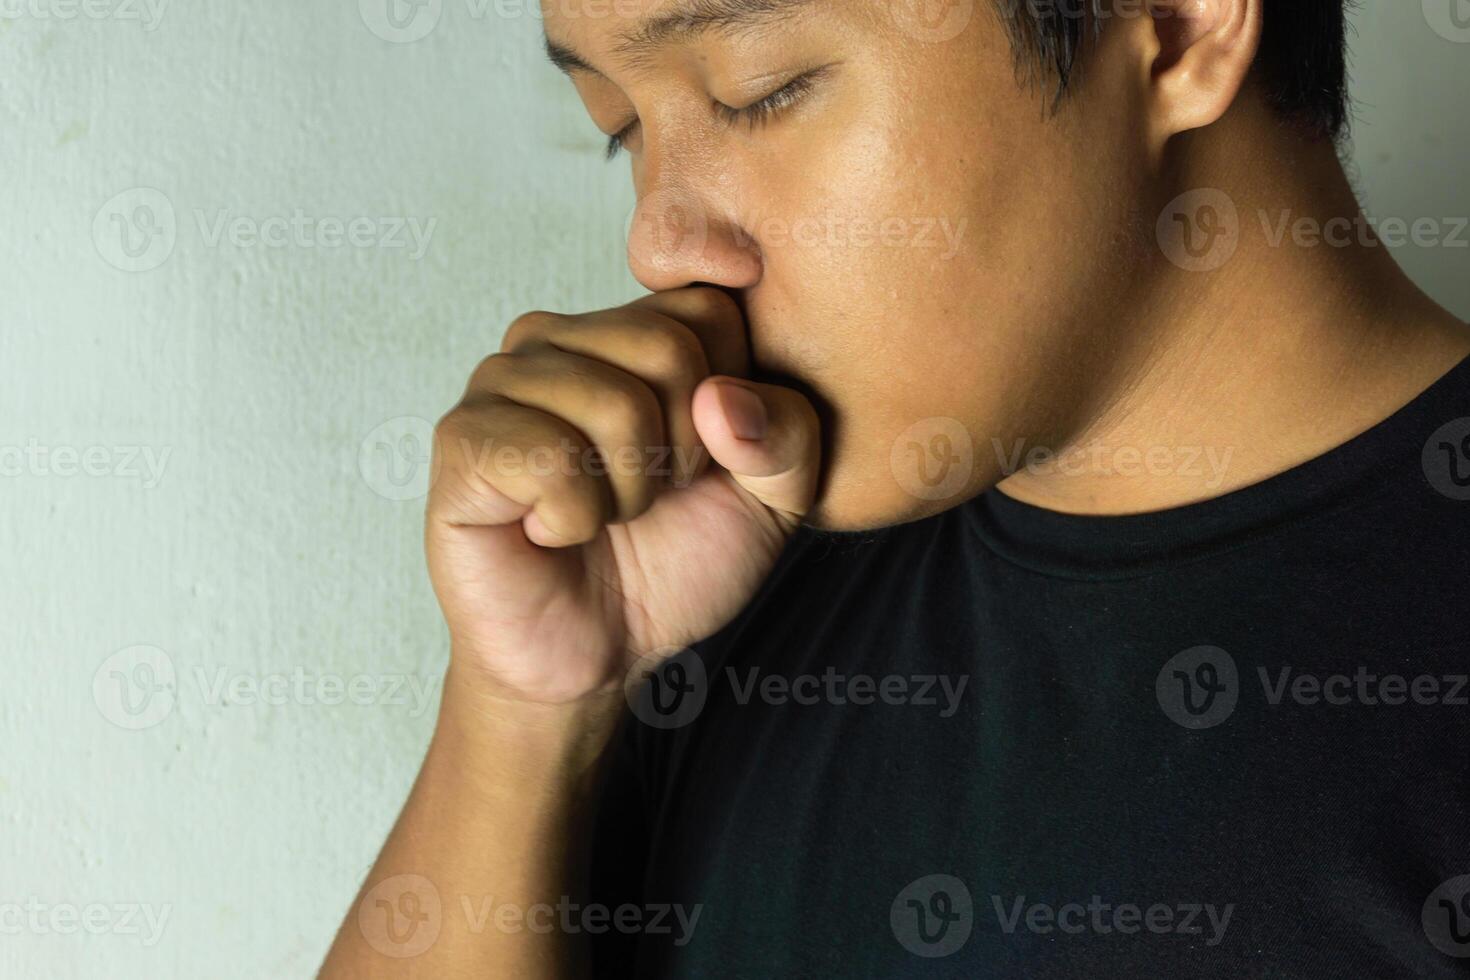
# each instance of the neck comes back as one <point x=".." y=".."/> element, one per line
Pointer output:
<point x="1293" y="345"/>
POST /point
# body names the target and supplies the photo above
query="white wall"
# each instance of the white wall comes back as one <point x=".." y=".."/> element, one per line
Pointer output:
<point x="191" y="489"/>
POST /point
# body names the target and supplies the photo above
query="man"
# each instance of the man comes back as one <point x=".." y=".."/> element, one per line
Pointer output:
<point x="1029" y="519"/>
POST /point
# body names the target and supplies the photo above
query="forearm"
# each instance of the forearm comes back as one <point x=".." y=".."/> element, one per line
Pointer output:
<point x="493" y="829"/>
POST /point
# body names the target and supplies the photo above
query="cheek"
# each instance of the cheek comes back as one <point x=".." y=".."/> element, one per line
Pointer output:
<point x="846" y="231"/>
<point x="873" y="293"/>
<point x="928" y="263"/>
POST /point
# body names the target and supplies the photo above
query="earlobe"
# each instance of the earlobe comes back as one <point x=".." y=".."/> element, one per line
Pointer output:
<point x="1205" y="52"/>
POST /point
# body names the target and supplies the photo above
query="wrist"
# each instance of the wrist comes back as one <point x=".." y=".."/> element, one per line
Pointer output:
<point x="516" y="743"/>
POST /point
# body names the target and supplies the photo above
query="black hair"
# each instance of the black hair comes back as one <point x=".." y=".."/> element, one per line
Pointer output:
<point x="1301" y="66"/>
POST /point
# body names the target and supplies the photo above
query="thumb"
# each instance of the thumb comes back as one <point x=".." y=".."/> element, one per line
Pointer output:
<point x="767" y="437"/>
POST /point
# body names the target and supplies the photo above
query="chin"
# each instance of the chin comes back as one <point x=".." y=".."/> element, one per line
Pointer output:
<point x="859" y="507"/>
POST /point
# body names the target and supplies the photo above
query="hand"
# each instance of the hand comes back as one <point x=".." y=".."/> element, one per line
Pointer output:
<point x="557" y="572"/>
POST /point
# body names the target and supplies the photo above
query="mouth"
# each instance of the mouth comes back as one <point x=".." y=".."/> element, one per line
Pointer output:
<point x="763" y="371"/>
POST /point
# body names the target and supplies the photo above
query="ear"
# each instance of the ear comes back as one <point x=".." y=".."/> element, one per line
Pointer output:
<point x="1204" y="52"/>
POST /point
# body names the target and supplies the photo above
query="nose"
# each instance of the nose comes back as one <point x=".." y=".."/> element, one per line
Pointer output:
<point x="678" y="238"/>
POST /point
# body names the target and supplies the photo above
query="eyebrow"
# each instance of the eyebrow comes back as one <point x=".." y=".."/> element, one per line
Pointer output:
<point x="686" y="21"/>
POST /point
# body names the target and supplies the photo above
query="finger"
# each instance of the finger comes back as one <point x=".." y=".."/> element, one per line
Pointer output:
<point x="614" y="411"/>
<point x="768" y="437"/>
<point x="498" y="463"/>
<point x="716" y="320"/>
<point x="659" y="350"/>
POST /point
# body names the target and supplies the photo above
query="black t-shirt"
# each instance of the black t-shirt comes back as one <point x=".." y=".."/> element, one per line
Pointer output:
<point x="1225" y="740"/>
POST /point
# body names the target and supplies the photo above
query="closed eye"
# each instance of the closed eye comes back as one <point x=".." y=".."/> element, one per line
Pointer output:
<point x="753" y="115"/>
<point x="768" y="108"/>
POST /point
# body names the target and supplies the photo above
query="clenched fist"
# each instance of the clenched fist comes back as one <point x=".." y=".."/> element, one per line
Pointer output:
<point x="609" y="488"/>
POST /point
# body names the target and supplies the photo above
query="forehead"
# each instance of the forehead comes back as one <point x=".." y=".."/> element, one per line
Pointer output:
<point x="599" y="14"/>
<point x="633" y="28"/>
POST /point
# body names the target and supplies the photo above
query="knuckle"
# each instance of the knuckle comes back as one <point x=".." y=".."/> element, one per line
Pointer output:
<point x="642" y="318"/>
<point x="711" y="303"/>
<point x="630" y="408"/>
<point x="673" y="352"/>
<point x="450" y="433"/>
<point x="462" y="436"/>
<point x="577" y="503"/>
<point x="537" y="323"/>
<point x="451" y="423"/>
<point x="492" y="372"/>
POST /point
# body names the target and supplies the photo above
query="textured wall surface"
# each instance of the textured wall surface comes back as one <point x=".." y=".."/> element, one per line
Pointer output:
<point x="248" y="251"/>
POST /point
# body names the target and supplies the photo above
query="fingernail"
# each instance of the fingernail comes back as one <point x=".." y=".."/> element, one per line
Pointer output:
<point x="745" y="412"/>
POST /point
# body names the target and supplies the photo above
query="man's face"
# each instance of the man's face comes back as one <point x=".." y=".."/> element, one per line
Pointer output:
<point x="912" y="237"/>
